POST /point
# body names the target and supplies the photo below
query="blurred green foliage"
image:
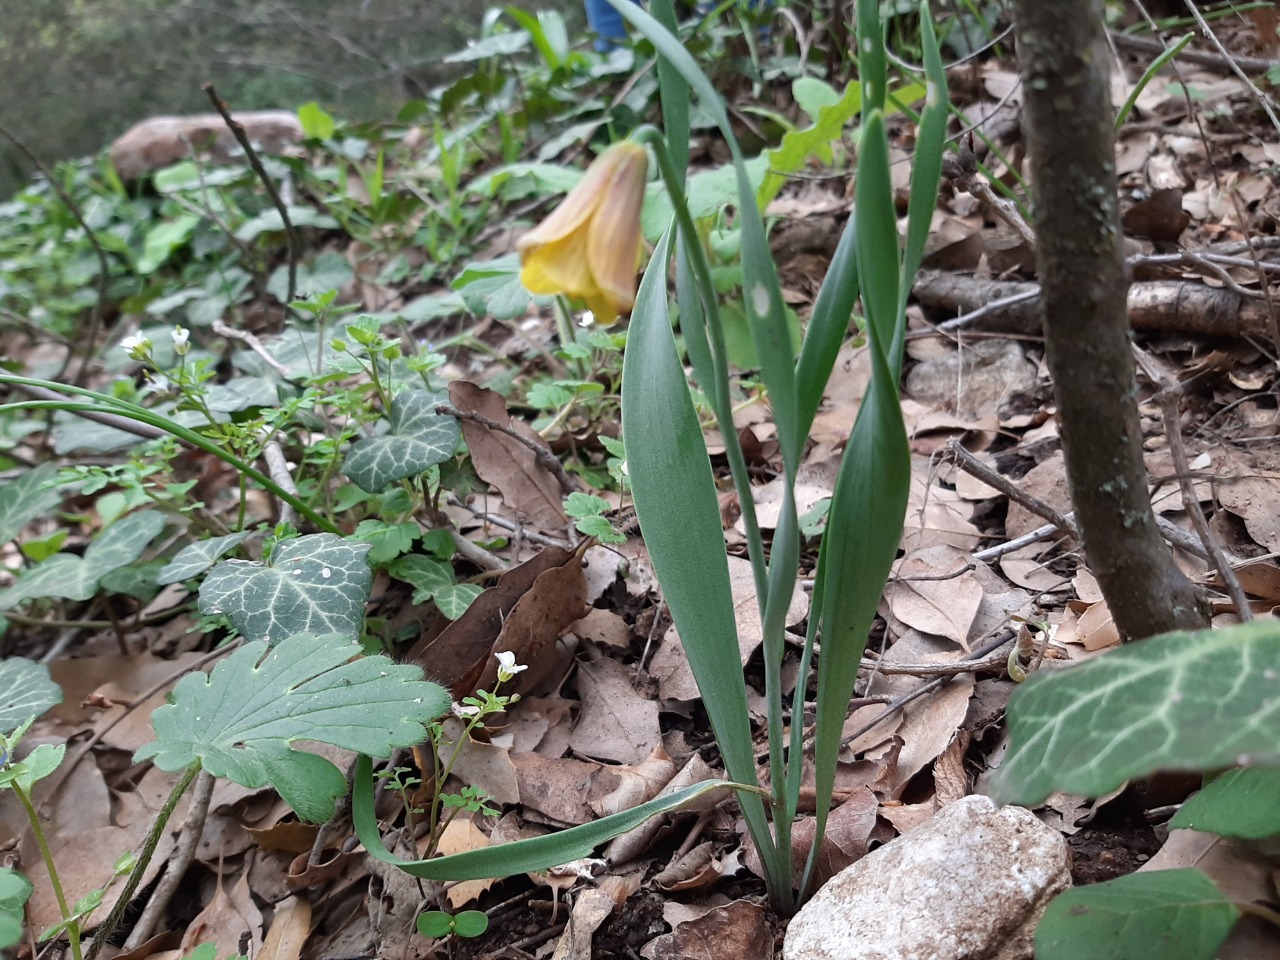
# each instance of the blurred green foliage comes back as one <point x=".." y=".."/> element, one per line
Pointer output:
<point x="78" y="73"/>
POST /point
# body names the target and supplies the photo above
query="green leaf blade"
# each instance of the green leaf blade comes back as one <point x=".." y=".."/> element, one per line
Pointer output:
<point x="26" y="691"/>
<point x="419" y="439"/>
<point x="1173" y="914"/>
<point x="1182" y="701"/>
<point x="314" y="584"/>
<point x="239" y="721"/>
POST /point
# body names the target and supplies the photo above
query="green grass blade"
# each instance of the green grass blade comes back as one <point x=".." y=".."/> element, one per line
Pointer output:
<point x="1148" y="75"/>
<point x="766" y="312"/>
<point x="872" y="62"/>
<point x="878" y="257"/>
<point x="827" y="326"/>
<point x="679" y="514"/>
<point x="520" y="856"/>
<point x="674" y="93"/>
<point x="926" y="167"/>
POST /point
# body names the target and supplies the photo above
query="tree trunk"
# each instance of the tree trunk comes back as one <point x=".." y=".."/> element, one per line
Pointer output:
<point x="1068" y="124"/>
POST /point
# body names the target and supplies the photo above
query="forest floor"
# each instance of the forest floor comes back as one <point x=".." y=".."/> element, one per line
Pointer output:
<point x="610" y="709"/>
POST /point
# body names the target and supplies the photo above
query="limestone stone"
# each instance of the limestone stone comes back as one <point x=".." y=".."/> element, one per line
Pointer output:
<point x="970" y="884"/>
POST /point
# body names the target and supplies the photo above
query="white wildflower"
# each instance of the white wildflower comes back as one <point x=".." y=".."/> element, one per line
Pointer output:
<point x="181" y="341"/>
<point x="137" y="346"/>
<point x="507" y="666"/>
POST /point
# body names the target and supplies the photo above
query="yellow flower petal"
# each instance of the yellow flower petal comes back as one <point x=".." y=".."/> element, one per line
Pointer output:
<point x="589" y="247"/>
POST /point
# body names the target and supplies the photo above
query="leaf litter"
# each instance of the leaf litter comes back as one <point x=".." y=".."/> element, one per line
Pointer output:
<point x="610" y="715"/>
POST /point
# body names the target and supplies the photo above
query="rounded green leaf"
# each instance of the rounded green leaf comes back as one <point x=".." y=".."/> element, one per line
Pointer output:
<point x="1170" y="914"/>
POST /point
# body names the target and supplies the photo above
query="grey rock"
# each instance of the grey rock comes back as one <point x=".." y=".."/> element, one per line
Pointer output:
<point x="970" y="884"/>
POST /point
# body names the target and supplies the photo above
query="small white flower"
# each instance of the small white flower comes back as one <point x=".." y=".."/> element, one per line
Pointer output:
<point x="466" y="710"/>
<point x="181" y="341"/>
<point x="507" y="666"/>
<point x="137" y="346"/>
<point x="587" y="320"/>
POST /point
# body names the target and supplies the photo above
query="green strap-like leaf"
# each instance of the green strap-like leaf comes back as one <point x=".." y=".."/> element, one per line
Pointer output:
<point x="1181" y="701"/>
<point x="521" y="856"/>
<point x="665" y="453"/>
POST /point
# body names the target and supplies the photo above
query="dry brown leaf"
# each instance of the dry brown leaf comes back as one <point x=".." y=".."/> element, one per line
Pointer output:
<point x="225" y="921"/>
<point x="935" y="515"/>
<point x="591" y="908"/>
<point x="635" y="842"/>
<point x="462" y="656"/>
<point x="849" y="829"/>
<point x="459" y="836"/>
<point x="1046" y="482"/>
<point x="736" y="931"/>
<point x="560" y="790"/>
<point x="483" y="765"/>
<point x="616" y="723"/>
<point x="526" y="485"/>
<point x="603" y="627"/>
<point x="1251" y="491"/>
<point x="289" y="930"/>
<point x="637" y="784"/>
<point x="935" y="590"/>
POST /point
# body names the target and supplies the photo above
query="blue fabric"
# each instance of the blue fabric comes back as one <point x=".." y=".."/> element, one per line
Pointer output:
<point x="606" y="23"/>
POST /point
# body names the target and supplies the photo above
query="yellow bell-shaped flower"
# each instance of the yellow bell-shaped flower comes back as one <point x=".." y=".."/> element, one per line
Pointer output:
<point x="589" y="247"/>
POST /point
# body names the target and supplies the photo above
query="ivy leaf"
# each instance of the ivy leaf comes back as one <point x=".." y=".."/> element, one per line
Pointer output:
<point x="1240" y="803"/>
<point x="1181" y="701"/>
<point x="195" y="558"/>
<point x="1180" y="912"/>
<point x="241" y="720"/>
<point x="26" y="691"/>
<point x="24" y="499"/>
<point x="317" y="584"/>
<point x="419" y="439"/>
<point x="433" y="580"/>
<point x="76" y="578"/>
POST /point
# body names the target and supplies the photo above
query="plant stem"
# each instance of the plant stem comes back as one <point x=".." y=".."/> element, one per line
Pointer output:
<point x="144" y="859"/>
<point x="73" y="926"/>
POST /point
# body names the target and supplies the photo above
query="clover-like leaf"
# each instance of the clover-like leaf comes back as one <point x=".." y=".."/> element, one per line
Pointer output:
<point x="419" y="438"/>
<point x="1181" y="701"/>
<point x="76" y="578"/>
<point x="195" y="558"/>
<point x="26" y="691"/>
<point x="24" y="499"/>
<point x="315" y="584"/>
<point x="239" y="721"/>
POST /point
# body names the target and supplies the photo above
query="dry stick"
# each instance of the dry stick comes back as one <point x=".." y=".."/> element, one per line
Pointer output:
<point x="510" y="525"/>
<point x="970" y="464"/>
<point x="183" y="856"/>
<point x="278" y="469"/>
<point x="1252" y="65"/>
<point x="1167" y="396"/>
<point x="252" y="156"/>
<point x="254" y="344"/>
<point x="1263" y="100"/>
<point x="541" y="453"/>
<point x="104" y="268"/>
<point x="990" y="654"/>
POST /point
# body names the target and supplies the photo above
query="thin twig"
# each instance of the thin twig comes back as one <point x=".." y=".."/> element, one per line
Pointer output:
<point x="983" y="654"/>
<point x="541" y="453"/>
<point x="104" y="267"/>
<point x="252" y="156"/>
<point x="1263" y="100"/>
<point x="1167" y="396"/>
<point x="278" y="469"/>
<point x="510" y="525"/>
<point x="254" y="344"/>
<point x="183" y="856"/>
<point x="970" y="464"/>
<point x="1253" y="65"/>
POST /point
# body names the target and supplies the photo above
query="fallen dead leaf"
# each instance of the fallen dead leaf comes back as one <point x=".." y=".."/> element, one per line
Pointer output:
<point x="526" y="485"/>
<point x="935" y="590"/>
<point x="736" y="931"/>
<point x="617" y="723"/>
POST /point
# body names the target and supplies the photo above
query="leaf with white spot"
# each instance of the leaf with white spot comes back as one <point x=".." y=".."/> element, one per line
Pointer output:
<point x="317" y="584"/>
<point x="419" y="439"/>
<point x="241" y="720"/>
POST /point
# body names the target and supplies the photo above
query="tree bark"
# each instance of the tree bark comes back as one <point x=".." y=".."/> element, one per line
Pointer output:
<point x="1070" y="143"/>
